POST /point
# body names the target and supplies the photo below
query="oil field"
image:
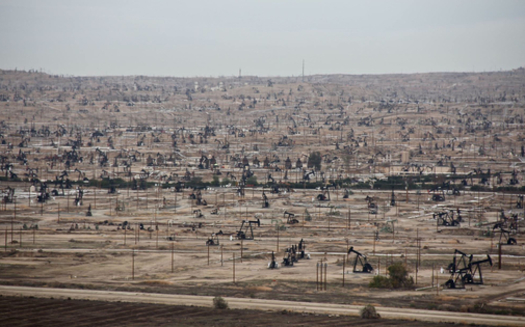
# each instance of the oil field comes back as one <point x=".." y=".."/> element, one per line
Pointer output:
<point x="333" y="191"/>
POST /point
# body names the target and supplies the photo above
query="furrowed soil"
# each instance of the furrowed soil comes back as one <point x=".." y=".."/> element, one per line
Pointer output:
<point x="24" y="312"/>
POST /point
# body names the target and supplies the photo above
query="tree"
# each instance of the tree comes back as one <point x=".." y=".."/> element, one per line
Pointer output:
<point x="252" y="180"/>
<point x="314" y="160"/>
<point x="398" y="275"/>
<point x="397" y="278"/>
<point x="215" y="181"/>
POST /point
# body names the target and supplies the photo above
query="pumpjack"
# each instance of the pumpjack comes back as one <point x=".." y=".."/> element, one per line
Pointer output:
<point x="44" y="194"/>
<point x="290" y="256"/>
<point x="302" y="250"/>
<point x="8" y="195"/>
<point x="214" y="239"/>
<point x="179" y="187"/>
<point x="290" y="218"/>
<point x="200" y="200"/>
<point x="438" y="197"/>
<point x="462" y="261"/>
<point x="511" y="222"/>
<point x="273" y="264"/>
<point x="240" y="191"/>
<point x="265" y="204"/>
<point x="365" y="266"/>
<point x="247" y="225"/>
<point x="372" y="207"/>
<point x="198" y="213"/>
<point x="325" y="196"/>
<point x="465" y="271"/>
<point x="294" y="253"/>
<point x="519" y="203"/>
<point x="504" y="235"/>
<point x="447" y="218"/>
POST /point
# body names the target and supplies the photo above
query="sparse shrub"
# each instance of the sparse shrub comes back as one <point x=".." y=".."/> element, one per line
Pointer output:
<point x="369" y="312"/>
<point x="432" y="306"/>
<point x="252" y="180"/>
<point x="281" y="227"/>
<point x="479" y="307"/>
<point x="220" y="303"/>
<point x="308" y="217"/>
<point x="399" y="276"/>
<point x="215" y="181"/>
<point x="380" y="282"/>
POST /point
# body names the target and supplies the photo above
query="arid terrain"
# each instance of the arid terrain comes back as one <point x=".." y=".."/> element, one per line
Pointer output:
<point x="190" y="185"/>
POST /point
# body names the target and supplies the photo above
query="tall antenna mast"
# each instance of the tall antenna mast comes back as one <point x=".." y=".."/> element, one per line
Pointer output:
<point x="239" y="73"/>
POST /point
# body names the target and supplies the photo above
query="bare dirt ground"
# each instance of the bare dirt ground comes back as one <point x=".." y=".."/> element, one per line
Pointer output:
<point x="30" y="311"/>
<point x="139" y="150"/>
<point x="21" y="312"/>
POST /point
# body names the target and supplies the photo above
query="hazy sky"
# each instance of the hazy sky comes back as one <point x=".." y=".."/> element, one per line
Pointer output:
<point x="265" y="38"/>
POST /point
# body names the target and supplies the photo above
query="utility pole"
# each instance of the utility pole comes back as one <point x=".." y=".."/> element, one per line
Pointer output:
<point x="234" y="268"/>
<point x="344" y="260"/>
<point x="12" y="220"/>
<point x="499" y="256"/>
<point x="325" y="275"/>
<point x="133" y="264"/>
<point x="277" y="238"/>
<point x="321" y="275"/>
<point x="317" y="277"/>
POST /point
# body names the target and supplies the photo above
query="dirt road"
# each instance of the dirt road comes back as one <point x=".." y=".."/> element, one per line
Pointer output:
<point x="273" y="305"/>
